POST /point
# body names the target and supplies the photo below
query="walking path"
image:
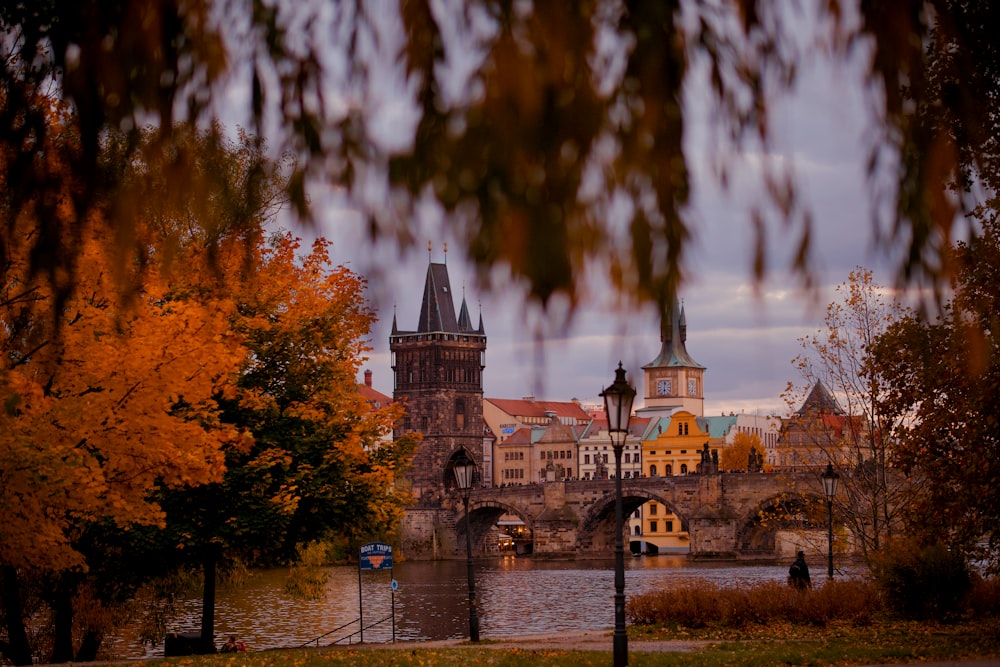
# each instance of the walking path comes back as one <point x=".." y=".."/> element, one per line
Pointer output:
<point x="600" y="640"/>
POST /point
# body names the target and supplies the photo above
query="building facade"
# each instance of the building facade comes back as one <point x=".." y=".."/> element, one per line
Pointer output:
<point x="819" y="432"/>
<point x="597" y="458"/>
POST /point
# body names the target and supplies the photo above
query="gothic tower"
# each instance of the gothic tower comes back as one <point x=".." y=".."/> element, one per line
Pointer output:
<point x="674" y="381"/>
<point x="438" y="373"/>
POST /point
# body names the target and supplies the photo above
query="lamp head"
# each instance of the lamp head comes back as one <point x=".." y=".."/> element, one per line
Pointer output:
<point x="830" y="479"/>
<point x="464" y="469"/>
<point x="618" y="406"/>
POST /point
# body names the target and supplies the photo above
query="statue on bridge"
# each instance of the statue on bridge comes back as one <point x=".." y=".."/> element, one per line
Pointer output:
<point x="709" y="461"/>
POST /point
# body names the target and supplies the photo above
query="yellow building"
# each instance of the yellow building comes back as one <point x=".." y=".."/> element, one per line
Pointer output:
<point x="673" y="445"/>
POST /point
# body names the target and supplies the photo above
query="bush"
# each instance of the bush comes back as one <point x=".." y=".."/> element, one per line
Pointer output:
<point x="983" y="598"/>
<point x="704" y="604"/>
<point x="922" y="582"/>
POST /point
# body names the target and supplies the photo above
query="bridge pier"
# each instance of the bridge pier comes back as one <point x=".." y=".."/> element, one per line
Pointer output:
<point x="428" y="533"/>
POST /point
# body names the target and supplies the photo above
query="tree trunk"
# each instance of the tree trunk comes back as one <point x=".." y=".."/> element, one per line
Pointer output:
<point x="16" y="648"/>
<point x="208" y="603"/>
<point x="62" y="612"/>
<point x="89" y="646"/>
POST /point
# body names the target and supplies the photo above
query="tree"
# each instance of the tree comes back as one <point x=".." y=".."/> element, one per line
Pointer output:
<point x="736" y="456"/>
<point x="118" y="394"/>
<point x="316" y="461"/>
<point x="853" y="427"/>
<point x="942" y="374"/>
<point x="527" y="123"/>
<point x="121" y="398"/>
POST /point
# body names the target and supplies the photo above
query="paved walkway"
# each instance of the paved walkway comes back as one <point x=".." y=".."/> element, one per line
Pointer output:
<point x="600" y="640"/>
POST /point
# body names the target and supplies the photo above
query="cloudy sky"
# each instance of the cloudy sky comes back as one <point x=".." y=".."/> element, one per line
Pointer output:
<point x="745" y="335"/>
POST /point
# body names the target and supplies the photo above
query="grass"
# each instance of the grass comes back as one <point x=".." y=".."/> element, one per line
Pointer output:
<point x="752" y="646"/>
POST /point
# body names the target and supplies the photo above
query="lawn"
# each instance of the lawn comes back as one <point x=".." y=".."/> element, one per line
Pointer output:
<point x="835" y="644"/>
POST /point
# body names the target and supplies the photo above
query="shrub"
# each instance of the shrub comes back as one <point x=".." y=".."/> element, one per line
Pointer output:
<point x="983" y="598"/>
<point x="704" y="604"/>
<point x="922" y="582"/>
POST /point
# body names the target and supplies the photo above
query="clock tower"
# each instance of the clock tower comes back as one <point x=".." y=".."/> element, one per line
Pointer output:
<point x="673" y="381"/>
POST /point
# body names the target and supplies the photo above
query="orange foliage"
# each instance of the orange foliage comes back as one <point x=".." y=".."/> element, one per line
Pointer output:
<point x="102" y="403"/>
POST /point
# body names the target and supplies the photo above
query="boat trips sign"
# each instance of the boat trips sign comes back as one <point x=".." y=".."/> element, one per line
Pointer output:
<point x="376" y="556"/>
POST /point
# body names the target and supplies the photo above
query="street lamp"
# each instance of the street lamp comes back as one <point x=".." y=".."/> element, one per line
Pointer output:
<point x="830" y="478"/>
<point x="464" y="469"/>
<point x="618" y="407"/>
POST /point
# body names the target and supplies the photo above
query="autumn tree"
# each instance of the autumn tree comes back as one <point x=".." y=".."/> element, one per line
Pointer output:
<point x="852" y="425"/>
<point x="736" y="455"/>
<point x="526" y="122"/>
<point x="320" y="463"/>
<point x="943" y="374"/>
<point x="101" y="404"/>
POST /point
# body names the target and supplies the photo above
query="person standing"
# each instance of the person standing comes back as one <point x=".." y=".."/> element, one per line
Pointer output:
<point x="798" y="573"/>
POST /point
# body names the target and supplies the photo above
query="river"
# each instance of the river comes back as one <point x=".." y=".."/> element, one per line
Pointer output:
<point x="516" y="596"/>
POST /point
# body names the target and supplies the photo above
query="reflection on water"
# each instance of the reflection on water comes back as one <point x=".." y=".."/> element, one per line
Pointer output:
<point x="516" y="596"/>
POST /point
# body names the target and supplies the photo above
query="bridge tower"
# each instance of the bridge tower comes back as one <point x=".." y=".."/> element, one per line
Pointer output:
<point x="673" y="381"/>
<point x="438" y="372"/>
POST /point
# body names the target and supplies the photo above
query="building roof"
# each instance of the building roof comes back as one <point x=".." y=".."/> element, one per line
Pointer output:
<point x="673" y="336"/>
<point x="819" y="401"/>
<point x="437" y="309"/>
<point x="637" y="427"/>
<point x="521" y="437"/>
<point x="529" y="407"/>
<point x="718" y="426"/>
<point x="374" y="397"/>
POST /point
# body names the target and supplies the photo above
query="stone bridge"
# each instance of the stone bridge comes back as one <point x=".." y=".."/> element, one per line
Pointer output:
<point x="722" y="514"/>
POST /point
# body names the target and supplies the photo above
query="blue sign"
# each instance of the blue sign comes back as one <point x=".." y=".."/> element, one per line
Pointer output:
<point x="375" y="556"/>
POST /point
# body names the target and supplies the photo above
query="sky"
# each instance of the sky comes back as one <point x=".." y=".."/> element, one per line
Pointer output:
<point x="745" y="334"/>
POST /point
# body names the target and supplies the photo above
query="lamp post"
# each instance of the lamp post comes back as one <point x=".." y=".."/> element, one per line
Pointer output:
<point x="464" y="469"/>
<point x="618" y="407"/>
<point x="829" y="478"/>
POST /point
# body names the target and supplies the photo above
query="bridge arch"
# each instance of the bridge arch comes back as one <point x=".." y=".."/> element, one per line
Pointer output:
<point x="597" y="525"/>
<point x="483" y="515"/>
<point x="784" y="511"/>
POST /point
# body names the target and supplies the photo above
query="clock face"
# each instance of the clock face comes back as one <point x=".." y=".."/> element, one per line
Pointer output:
<point x="663" y="387"/>
<point x="692" y="387"/>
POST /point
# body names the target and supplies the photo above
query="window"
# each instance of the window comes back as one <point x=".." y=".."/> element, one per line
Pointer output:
<point x="652" y="526"/>
<point x="652" y="470"/>
<point x="668" y="470"/>
<point x="638" y="531"/>
<point x="628" y="457"/>
<point x="684" y="468"/>
<point x="668" y="526"/>
<point x="460" y="413"/>
<point x="652" y="508"/>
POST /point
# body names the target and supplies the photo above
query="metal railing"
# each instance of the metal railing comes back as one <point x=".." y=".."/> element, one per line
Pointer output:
<point x="348" y="638"/>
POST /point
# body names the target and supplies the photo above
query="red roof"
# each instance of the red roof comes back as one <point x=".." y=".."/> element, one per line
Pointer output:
<point x="532" y="408"/>
<point x="373" y="396"/>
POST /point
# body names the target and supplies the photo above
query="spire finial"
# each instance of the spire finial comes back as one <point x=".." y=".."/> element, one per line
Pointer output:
<point x="428" y="252"/>
<point x="445" y="252"/>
